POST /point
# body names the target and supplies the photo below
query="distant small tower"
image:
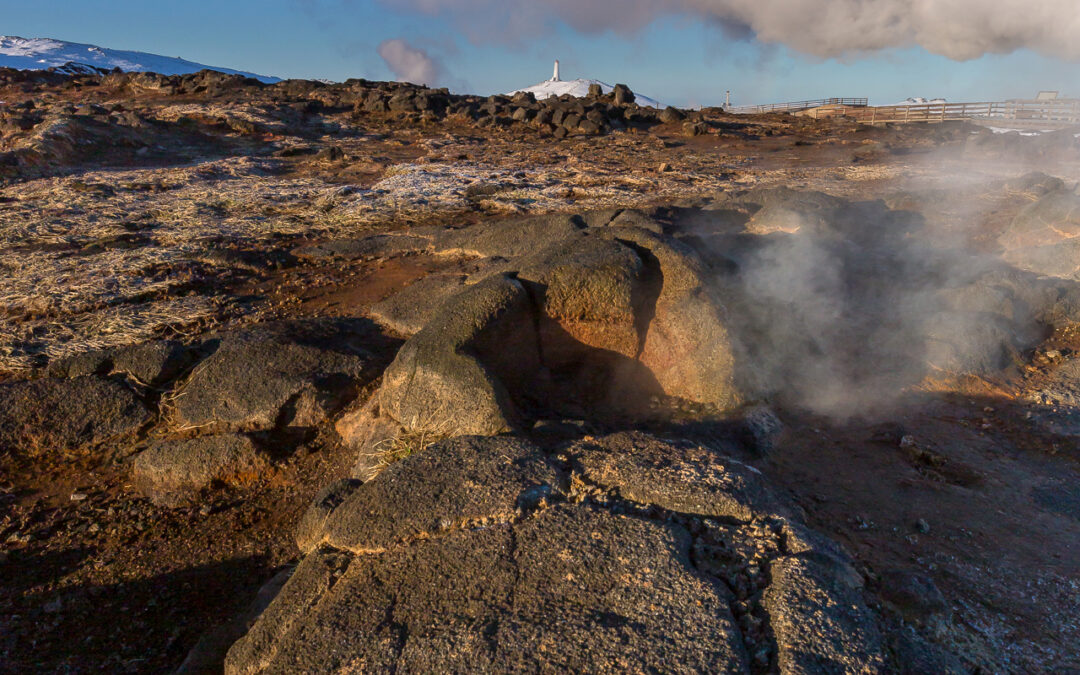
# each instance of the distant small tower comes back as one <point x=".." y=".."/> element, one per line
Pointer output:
<point x="555" y="77"/>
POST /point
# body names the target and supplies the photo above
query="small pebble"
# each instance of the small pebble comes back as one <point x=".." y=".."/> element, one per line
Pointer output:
<point x="922" y="526"/>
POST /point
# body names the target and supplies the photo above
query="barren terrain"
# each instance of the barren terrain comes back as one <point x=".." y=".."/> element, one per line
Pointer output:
<point x="205" y="291"/>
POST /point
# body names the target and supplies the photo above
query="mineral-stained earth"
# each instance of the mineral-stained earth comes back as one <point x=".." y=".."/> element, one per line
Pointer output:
<point x="368" y="377"/>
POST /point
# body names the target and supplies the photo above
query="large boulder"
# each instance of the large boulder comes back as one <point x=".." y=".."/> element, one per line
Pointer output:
<point x="687" y="347"/>
<point x="670" y="115"/>
<point x="289" y="374"/>
<point x="173" y="472"/>
<point x="591" y="290"/>
<point x="695" y="480"/>
<point x="1061" y="259"/>
<point x="622" y="95"/>
<point x="812" y="636"/>
<point x="595" y="324"/>
<point x="452" y="376"/>
<point x="484" y="556"/>
<point x="50" y="414"/>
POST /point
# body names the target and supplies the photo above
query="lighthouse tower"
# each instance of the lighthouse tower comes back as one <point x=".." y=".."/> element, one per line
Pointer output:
<point x="555" y="76"/>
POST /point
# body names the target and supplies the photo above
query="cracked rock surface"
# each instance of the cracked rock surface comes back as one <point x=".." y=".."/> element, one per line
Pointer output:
<point x="490" y="554"/>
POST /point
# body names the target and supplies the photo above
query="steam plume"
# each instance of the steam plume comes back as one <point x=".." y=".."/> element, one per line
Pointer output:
<point x="957" y="29"/>
<point x="410" y="64"/>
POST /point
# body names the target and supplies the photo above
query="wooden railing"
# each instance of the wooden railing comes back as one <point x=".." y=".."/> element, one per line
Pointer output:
<point x="794" y="106"/>
<point x="1055" y="113"/>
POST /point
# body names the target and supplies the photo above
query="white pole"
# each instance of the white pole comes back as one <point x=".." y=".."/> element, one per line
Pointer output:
<point x="555" y="77"/>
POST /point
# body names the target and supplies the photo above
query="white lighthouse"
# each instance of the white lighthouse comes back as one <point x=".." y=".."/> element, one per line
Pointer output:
<point x="555" y="76"/>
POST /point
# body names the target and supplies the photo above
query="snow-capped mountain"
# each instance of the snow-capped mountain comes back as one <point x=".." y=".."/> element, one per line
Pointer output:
<point x="580" y="87"/>
<point x="40" y="53"/>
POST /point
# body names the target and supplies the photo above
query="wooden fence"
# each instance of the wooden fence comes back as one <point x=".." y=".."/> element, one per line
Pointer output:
<point x="1051" y="114"/>
<point x="1017" y="113"/>
<point x="794" y="106"/>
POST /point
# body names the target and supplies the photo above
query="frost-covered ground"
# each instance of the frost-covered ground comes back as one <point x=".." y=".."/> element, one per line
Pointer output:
<point x="40" y="53"/>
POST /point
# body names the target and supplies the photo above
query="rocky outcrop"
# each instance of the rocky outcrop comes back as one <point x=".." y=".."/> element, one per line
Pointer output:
<point x="489" y="555"/>
<point x="597" y="113"/>
<point x="279" y="379"/>
<point x="596" y="323"/>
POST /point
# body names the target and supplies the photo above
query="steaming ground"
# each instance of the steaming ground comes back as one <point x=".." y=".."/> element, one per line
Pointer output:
<point x="902" y="304"/>
<point x="843" y="306"/>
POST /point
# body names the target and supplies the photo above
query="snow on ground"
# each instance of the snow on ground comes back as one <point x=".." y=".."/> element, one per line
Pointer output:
<point x="919" y="100"/>
<point x="40" y="53"/>
<point x="580" y="88"/>
<point x="1022" y="132"/>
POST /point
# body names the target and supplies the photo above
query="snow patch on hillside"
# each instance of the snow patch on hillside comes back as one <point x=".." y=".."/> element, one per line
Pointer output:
<point x="40" y="53"/>
<point x="580" y="88"/>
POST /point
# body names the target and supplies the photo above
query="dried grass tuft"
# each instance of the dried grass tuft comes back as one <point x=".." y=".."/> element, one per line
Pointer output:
<point x="419" y="436"/>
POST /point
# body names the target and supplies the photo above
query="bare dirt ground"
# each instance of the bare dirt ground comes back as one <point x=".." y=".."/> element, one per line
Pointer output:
<point x="199" y="224"/>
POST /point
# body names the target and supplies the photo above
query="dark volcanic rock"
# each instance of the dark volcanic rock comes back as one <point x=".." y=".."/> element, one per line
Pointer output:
<point x="459" y="484"/>
<point x="1054" y="218"/>
<point x="915" y="596"/>
<point x="288" y="374"/>
<point x="173" y="472"/>
<point x="479" y="556"/>
<point x="312" y="527"/>
<point x="1042" y="236"/>
<point x="447" y="376"/>
<point x="509" y="237"/>
<point x="697" y="480"/>
<point x="409" y="310"/>
<point x="150" y="363"/>
<point x="670" y="115"/>
<point x="812" y="636"/>
<point x="49" y="414"/>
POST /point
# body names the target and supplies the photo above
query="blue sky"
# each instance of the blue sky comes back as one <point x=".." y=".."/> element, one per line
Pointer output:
<point x="679" y="61"/>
